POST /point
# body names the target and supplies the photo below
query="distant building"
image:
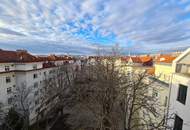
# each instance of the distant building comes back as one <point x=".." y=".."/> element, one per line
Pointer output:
<point x="179" y="103"/>
<point x="138" y="64"/>
<point x="163" y="67"/>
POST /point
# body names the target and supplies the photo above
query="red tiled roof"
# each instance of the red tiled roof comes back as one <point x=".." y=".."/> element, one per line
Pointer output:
<point x="151" y="71"/>
<point x="126" y="58"/>
<point x="146" y="58"/>
<point x="16" y="56"/>
<point x="165" y="59"/>
<point x="137" y="59"/>
<point x="24" y="56"/>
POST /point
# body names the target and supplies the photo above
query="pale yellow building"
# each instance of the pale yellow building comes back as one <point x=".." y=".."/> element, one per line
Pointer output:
<point x="163" y="68"/>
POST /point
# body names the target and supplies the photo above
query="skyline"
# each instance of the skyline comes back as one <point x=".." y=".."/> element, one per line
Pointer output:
<point x="82" y="26"/>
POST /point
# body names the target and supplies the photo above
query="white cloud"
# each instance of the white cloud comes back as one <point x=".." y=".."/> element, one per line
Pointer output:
<point x="143" y="22"/>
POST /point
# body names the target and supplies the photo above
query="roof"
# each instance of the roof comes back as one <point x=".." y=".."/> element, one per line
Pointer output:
<point x="151" y="71"/>
<point x="137" y="59"/>
<point x="146" y="58"/>
<point x="23" y="56"/>
<point x="181" y="56"/>
<point x="165" y="59"/>
<point x="16" y="56"/>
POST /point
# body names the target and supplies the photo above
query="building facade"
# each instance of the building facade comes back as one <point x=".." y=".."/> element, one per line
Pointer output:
<point x="19" y="68"/>
<point x="179" y="104"/>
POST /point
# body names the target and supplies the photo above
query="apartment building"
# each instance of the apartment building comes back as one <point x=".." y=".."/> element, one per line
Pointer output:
<point x="179" y="104"/>
<point x="163" y="67"/>
<point x="18" y="68"/>
<point x="7" y="82"/>
<point x="137" y="64"/>
<point x="163" y="74"/>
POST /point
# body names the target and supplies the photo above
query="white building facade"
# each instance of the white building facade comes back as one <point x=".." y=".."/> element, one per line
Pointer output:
<point x="22" y="68"/>
<point x="179" y="104"/>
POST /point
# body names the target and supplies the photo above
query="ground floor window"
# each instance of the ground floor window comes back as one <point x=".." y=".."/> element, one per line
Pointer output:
<point x="178" y="124"/>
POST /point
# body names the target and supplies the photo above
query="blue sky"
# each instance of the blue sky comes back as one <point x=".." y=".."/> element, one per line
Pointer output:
<point x="82" y="26"/>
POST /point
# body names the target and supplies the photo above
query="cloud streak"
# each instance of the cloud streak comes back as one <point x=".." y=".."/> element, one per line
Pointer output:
<point x="80" y="27"/>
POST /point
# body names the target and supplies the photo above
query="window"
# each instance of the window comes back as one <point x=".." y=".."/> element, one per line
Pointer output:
<point x="8" y="79"/>
<point x="35" y="76"/>
<point x="154" y="93"/>
<point x="37" y="110"/>
<point x="9" y="90"/>
<point x="36" y="102"/>
<point x="10" y="100"/>
<point x="36" y="85"/>
<point x="45" y="73"/>
<point x="178" y="123"/>
<point x="36" y="93"/>
<point x="35" y="66"/>
<point x="51" y="71"/>
<point x="7" y="68"/>
<point x="182" y="93"/>
<point x="165" y="102"/>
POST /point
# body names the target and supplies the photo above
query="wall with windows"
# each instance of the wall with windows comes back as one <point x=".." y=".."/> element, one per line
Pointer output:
<point x="33" y="80"/>
<point x="5" y="67"/>
<point x="28" y="66"/>
<point x="7" y="85"/>
<point x="180" y="100"/>
<point x="32" y="75"/>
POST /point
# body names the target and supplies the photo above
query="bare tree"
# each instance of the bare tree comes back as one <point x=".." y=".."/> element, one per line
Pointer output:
<point x="1" y="113"/>
<point x="55" y="94"/>
<point x="22" y="103"/>
<point x="114" y="99"/>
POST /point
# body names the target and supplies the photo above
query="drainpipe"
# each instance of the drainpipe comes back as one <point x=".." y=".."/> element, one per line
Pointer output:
<point x="167" y="111"/>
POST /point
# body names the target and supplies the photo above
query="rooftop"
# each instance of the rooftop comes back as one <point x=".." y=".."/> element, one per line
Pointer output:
<point x="165" y="59"/>
<point x="137" y="59"/>
<point x="7" y="56"/>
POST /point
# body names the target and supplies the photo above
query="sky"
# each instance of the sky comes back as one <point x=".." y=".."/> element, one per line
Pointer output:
<point x="82" y="27"/>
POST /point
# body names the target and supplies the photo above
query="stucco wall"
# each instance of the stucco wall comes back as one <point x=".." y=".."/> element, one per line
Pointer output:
<point x="183" y="111"/>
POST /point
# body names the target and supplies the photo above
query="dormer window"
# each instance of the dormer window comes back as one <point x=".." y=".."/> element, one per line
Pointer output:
<point x="7" y="68"/>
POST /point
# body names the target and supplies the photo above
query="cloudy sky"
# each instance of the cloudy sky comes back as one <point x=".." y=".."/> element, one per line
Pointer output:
<point x="82" y="26"/>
